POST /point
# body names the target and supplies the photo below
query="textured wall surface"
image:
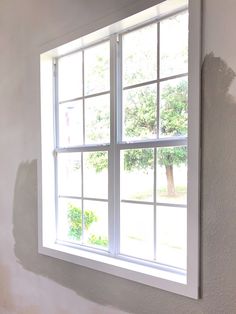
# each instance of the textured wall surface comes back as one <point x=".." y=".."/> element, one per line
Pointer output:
<point x="34" y="284"/>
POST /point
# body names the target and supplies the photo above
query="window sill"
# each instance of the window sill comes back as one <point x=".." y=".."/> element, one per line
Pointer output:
<point x="159" y="278"/>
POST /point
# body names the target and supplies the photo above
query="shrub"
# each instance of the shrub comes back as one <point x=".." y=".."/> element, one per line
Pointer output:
<point x="98" y="240"/>
<point x="75" y="220"/>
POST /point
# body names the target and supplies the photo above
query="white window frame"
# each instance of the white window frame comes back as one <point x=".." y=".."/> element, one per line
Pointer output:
<point x="160" y="277"/>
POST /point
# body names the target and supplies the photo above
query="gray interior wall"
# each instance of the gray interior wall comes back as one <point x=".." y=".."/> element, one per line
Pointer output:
<point x="34" y="284"/>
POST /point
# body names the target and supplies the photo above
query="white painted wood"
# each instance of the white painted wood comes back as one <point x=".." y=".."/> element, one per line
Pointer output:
<point x="193" y="220"/>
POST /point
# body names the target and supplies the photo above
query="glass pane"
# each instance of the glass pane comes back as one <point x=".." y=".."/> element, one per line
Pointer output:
<point x="140" y="55"/>
<point x="139" y="113"/>
<point x="96" y="174"/>
<point x="172" y="236"/>
<point x="136" y="230"/>
<point x="97" y="68"/>
<point x="137" y="174"/>
<point x="70" y="76"/>
<point x="71" y="124"/>
<point x="172" y="175"/>
<point x="174" y="45"/>
<point x="97" y="119"/>
<point x="69" y="174"/>
<point x="69" y="220"/>
<point x="96" y="224"/>
<point x="174" y="107"/>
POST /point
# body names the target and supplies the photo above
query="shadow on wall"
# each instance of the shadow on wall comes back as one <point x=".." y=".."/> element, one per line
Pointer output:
<point x="218" y="182"/>
<point x="90" y="284"/>
<point x="216" y="81"/>
<point x="219" y="116"/>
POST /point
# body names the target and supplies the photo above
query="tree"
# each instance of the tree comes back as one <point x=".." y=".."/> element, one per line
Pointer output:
<point x="169" y="157"/>
<point x="140" y="122"/>
<point x="173" y="119"/>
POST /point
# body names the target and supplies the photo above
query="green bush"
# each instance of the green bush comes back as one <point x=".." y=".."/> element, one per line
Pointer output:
<point x="75" y="220"/>
<point x="98" y="240"/>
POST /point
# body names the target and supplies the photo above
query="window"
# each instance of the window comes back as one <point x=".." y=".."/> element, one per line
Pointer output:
<point x="120" y="146"/>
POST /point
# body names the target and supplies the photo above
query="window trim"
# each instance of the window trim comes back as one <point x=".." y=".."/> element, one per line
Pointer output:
<point x="157" y="277"/>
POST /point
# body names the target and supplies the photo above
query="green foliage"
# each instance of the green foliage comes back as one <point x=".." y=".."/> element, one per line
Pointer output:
<point x="102" y="64"/>
<point x="140" y="114"/>
<point x="98" y="73"/>
<point x="169" y="156"/>
<point x="75" y="220"/>
<point x="173" y="122"/>
<point x="140" y="121"/>
<point x="98" y="160"/>
<point x="76" y="229"/>
<point x="140" y="159"/>
<point x="98" y="126"/>
<point x="98" y="240"/>
<point x="173" y="115"/>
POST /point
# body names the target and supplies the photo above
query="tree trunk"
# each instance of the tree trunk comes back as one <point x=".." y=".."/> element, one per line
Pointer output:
<point x="170" y="181"/>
